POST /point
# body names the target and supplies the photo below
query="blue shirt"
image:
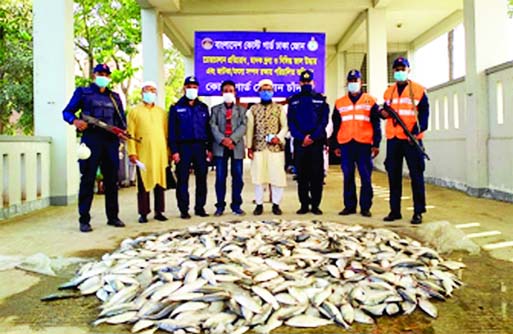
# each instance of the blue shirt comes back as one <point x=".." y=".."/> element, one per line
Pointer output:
<point x="189" y="124"/>
<point x="105" y="106"/>
<point x="308" y="114"/>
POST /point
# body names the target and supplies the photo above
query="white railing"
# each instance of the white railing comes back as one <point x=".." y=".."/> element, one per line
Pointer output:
<point x="25" y="174"/>
<point x="445" y="138"/>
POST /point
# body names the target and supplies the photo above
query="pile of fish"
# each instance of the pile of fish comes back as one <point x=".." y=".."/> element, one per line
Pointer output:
<point x="259" y="275"/>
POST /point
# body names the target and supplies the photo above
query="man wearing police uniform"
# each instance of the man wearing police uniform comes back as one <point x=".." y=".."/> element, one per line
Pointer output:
<point x="410" y="101"/>
<point x="308" y="116"/>
<point x="356" y="136"/>
<point x="99" y="102"/>
<point x="190" y="142"/>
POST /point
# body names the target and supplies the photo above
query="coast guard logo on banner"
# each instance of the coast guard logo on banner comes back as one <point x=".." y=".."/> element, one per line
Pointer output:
<point x="312" y="44"/>
<point x="207" y="43"/>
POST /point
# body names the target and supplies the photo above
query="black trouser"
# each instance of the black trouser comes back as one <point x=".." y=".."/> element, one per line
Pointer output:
<point x="195" y="154"/>
<point x="309" y="163"/>
<point x="397" y="150"/>
<point x="143" y="197"/>
<point x="104" y="154"/>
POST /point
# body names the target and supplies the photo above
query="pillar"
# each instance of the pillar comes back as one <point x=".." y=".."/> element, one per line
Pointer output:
<point x="377" y="71"/>
<point x="54" y="81"/>
<point x="153" y="51"/>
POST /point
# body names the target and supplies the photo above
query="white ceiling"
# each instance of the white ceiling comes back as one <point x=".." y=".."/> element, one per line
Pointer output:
<point x="333" y="17"/>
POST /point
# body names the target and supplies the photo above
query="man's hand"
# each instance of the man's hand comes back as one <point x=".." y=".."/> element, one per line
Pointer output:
<point x="80" y="124"/>
<point x="275" y="140"/>
<point x="176" y="158"/>
<point x="250" y="153"/>
<point x="374" y="152"/>
<point x="384" y="113"/>
<point x="337" y="152"/>
<point x="307" y="141"/>
<point x="123" y="136"/>
<point x="227" y="142"/>
<point x="133" y="158"/>
<point x="209" y="155"/>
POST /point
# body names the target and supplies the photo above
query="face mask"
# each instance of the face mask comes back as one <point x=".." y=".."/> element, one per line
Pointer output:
<point x="228" y="98"/>
<point x="307" y="88"/>
<point x="400" y="75"/>
<point x="149" y="97"/>
<point x="101" y="81"/>
<point x="353" y="87"/>
<point x="266" y="95"/>
<point x="191" y="93"/>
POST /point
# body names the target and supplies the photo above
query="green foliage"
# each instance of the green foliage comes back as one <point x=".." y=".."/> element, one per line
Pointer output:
<point x="108" y="31"/>
<point x="510" y="8"/>
<point x="175" y="74"/>
<point x="16" y="66"/>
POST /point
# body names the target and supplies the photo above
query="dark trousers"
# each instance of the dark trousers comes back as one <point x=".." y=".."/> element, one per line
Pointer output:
<point x="143" y="197"/>
<point x="221" y="164"/>
<point x="105" y="154"/>
<point x="357" y="155"/>
<point x="191" y="154"/>
<point x="309" y="162"/>
<point x="398" y="149"/>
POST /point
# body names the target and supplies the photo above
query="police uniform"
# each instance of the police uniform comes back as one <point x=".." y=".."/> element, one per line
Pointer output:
<point x="190" y="136"/>
<point x="410" y="101"/>
<point x="107" y="107"/>
<point x="356" y="128"/>
<point x="308" y="114"/>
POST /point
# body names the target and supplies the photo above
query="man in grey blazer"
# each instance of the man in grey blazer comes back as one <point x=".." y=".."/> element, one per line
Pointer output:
<point x="228" y="124"/>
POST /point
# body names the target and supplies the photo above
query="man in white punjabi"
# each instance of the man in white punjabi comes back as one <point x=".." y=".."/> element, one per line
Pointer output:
<point x="149" y="122"/>
<point x="265" y="139"/>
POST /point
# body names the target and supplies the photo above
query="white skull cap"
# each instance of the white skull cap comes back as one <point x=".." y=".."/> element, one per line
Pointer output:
<point x="149" y="84"/>
<point x="264" y="82"/>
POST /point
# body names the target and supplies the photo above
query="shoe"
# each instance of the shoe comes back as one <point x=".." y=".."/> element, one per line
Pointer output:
<point x="276" y="210"/>
<point x="366" y="213"/>
<point x="219" y="212"/>
<point x="238" y="212"/>
<point x="116" y="222"/>
<point x="392" y="216"/>
<point x="316" y="211"/>
<point x="201" y="213"/>
<point x="143" y="219"/>
<point x="185" y="215"/>
<point x="416" y="219"/>
<point x="85" y="227"/>
<point x="347" y="212"/>
<point x="302" y="210"/>
<point x="160" y="217"/>
<point x="259" y="209"/>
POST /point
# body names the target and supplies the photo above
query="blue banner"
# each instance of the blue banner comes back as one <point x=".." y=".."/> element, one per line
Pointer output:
<point x="248" y="57"/>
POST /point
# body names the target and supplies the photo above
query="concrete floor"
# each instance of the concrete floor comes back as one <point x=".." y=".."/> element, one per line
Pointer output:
<point x="484" y="305"/>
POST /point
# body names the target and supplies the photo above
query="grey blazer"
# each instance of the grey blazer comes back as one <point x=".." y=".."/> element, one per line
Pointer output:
<point x="218" y="126"/>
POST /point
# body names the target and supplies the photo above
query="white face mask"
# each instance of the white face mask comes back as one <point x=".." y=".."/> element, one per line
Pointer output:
<point x="353" y="87"/>
<point x="228" y="97"/>
<point x="191" y="93"/>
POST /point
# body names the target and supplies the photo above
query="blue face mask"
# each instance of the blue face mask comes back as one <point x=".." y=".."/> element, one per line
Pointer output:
<point x="149" y="97"/>
<point x="266" y="95"/>
<point x="400" y="76"/>
<point x="101" y="81"/>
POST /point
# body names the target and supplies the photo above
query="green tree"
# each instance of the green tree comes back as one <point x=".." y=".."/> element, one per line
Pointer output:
<point x="16" y="93"/>
<point x="107" y="31"/>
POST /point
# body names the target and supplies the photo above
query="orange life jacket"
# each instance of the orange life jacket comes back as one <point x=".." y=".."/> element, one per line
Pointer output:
<point x="355" y="119"/>
<point x="405" y="107"/>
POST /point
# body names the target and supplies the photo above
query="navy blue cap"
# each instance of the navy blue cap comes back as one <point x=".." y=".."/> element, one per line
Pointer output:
<point x="102" y="68"/>
<point x="191" y="80"/>
<point x="401" y="61"/>
<point x="306" y="76"/>
<point x="354" y="74"/>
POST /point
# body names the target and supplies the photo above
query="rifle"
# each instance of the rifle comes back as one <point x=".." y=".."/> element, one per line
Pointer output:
<point x="398" y="120"/>
<point x="109" y="128"/>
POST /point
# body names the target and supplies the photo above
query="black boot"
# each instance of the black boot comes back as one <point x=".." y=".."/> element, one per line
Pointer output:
<point x="347" y="212"/>
<point x="85" y="227"/>
<point x="392" y="216"/>
<point x="276" y="210"/>
<point x="259" y="209"/>
<point x="116" y="222"/>
<point x="416" y="219"/>
<point x="143" y="219"/>
<point x="160" y="217"/>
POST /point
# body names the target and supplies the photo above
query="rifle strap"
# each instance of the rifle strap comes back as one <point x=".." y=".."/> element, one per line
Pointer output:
<point x="415" y="108"/>
<point x="117" y="110"/>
